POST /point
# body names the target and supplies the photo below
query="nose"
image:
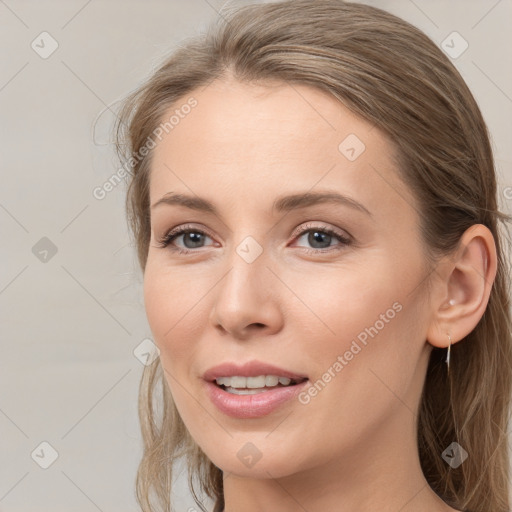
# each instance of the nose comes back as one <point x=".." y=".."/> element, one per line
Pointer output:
<point x="247" y="300"/>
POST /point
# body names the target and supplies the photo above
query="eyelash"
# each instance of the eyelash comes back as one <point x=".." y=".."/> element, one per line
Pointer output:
<point x="171" y="235"/>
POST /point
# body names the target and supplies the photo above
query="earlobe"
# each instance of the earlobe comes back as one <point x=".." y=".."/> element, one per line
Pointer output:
<point x="465" y="289"/>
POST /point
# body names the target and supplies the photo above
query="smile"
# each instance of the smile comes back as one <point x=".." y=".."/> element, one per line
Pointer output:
<point x="239" y="385"/>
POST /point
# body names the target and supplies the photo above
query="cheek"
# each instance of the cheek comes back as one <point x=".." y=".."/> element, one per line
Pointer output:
<point x="157" y="303"/>
<point x="369" y="369"/>
<point x="173" y="310"/>
<point x="334" y="306"/>
<point x="356" y="323"/>
<point x="166" y="302"/>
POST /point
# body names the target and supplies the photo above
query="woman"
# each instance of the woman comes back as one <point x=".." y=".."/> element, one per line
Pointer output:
<point x="313" y="199"/>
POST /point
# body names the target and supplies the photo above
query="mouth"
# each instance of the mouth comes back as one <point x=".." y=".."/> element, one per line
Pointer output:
<point x="252" y="390"/>
<point x="240" y="385"/>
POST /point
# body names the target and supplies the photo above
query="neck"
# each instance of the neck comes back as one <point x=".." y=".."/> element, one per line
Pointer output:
<point x="380" y="472"/>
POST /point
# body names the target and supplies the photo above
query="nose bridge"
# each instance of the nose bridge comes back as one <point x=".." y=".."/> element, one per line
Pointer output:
<point x="244" y="294"/>
<point x="248" y="272"/>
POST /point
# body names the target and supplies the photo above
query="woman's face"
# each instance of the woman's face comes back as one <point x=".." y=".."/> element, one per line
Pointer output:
<point x="326" y="290"/>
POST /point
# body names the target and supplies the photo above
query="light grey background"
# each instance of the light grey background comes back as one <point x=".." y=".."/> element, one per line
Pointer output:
<point x="70" y="325"/>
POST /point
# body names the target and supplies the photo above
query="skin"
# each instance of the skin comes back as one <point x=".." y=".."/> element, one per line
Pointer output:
<point x="353" y="446"/>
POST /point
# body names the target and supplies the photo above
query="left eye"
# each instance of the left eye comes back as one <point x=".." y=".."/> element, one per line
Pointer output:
<point x="321" y="238"/>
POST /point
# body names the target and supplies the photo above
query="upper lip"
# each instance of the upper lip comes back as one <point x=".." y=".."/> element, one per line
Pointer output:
<point x="249" y="369"/>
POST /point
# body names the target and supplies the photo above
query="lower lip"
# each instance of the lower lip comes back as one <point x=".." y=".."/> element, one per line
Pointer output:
<point x="252" y="406"/>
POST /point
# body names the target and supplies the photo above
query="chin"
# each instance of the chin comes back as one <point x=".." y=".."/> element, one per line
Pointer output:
<point x="246" y="460"/>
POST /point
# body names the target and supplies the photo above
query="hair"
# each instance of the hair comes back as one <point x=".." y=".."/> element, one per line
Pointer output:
<point x="392" y="75"/>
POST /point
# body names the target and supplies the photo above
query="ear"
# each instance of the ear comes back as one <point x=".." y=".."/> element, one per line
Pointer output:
<point x="461" y="295"/>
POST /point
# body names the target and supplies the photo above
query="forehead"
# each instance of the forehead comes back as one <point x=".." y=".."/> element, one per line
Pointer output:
<point x="254" y="141"/>
<point x="287" y="118"/>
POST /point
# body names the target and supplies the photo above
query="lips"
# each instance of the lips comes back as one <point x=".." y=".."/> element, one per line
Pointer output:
<point x="250" y="369"/>
<point x="252" y="406"/>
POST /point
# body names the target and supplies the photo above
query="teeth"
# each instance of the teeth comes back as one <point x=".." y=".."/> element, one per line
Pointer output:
<point x="259" y="382"/>
<point x="271" y="380"/>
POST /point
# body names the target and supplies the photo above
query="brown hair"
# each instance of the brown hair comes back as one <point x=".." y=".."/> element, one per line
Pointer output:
<point x="391" y="74"/>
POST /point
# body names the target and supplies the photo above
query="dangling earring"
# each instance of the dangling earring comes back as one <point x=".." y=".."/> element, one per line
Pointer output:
<point x="448" y="352"/>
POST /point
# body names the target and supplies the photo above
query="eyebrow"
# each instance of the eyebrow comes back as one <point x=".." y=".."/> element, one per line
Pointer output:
<point x="281" y="204"/>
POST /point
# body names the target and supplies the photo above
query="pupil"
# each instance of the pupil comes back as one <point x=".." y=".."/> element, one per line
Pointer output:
<point x="195" y="242"/>
<point x="312" y="238"/>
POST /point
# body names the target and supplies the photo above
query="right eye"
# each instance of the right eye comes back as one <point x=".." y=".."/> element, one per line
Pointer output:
<point x="194" y="241"/>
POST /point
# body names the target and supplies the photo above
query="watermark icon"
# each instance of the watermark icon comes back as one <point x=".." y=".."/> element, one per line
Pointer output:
<point x="44" y="250"/>
<point x="44" y="455"/>
<point x="146" y="352"/>
<point x="249" y="454"/>
<point x="100" y="192"/>
<point x="343" y="360"/>
<point x="454" y="455"/>
<point x="44" y="45"/>
<point x="351" y="147"/>
<point x="249" y="249"/>
<point x="507" y="193"/>
<point x="454" y="45"/>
